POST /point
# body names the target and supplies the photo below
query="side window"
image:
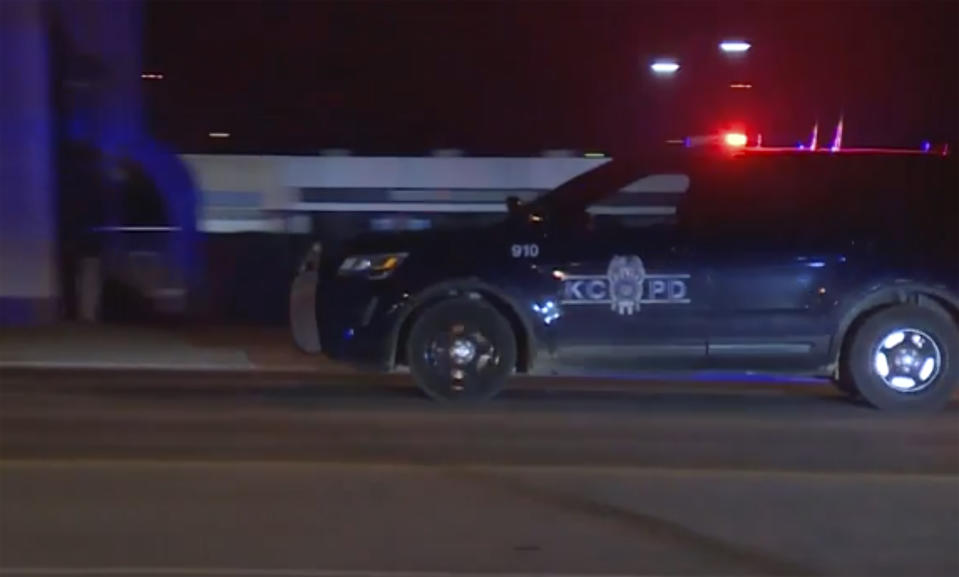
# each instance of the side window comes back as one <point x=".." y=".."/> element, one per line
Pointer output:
<point x="648" y="201"/>
<point x="861" y="197"/>
<point x="751" y="200"/>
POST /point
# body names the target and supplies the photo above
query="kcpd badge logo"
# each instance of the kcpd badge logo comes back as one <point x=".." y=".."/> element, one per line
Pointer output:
<point x="625" y="286"/>
<point x="626" y="275"/>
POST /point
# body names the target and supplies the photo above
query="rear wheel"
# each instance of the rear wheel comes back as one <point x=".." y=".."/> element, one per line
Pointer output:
<point x="904" y="357"/>
<point x="461" y="350"/>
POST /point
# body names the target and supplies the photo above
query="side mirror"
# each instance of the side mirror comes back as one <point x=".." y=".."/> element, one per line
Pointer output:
<point x="512" y="204"/>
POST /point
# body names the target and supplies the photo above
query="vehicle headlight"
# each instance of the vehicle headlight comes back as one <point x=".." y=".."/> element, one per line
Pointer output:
<point x="375" y="266"/>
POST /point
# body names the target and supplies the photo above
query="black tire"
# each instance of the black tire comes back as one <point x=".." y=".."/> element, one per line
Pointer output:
<point x="842" y="380"/>
<point x="434" y="368"/>
<point x="846" y="386"/>
<point x="860" y="369"/>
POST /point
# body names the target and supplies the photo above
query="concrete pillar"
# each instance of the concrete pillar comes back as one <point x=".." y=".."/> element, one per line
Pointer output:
<point x="28" y="271"/>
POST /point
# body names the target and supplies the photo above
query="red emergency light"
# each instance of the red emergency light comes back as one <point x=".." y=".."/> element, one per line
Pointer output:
<point x="732" y="139"/>
<point x="735" y="139"/>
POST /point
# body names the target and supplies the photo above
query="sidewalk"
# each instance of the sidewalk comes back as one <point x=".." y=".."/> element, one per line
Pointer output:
<point x="81" y="346"/>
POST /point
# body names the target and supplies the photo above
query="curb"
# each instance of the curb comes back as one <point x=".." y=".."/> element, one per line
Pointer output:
<point x="151" y="367"/>
<point x="67" y="376"/>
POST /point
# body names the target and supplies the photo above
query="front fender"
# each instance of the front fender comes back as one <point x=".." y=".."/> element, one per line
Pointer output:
<point x="527" y="337"/>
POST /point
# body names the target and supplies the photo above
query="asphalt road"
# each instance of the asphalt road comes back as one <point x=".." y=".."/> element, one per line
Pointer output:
<point x="203" y="475"/>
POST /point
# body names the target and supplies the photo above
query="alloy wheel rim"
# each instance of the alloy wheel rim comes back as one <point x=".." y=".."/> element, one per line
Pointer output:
<point x="907" y="360"/>
<point x="462" y="355"/>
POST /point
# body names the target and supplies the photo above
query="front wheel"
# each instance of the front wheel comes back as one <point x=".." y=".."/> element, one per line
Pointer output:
<point x="905" y="357"/>
<point x="461" y="350"/>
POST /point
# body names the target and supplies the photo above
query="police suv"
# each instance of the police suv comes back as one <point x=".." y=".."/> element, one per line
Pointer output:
<point x="842" y="265"/>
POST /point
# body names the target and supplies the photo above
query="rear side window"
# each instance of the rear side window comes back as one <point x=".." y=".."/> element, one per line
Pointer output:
<point x="816" y="197"/>
<point x="895" y="197"/>
<point x="764" y="198"/>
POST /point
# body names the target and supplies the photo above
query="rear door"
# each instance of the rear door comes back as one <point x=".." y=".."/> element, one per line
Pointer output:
<point x="774" y="276"/>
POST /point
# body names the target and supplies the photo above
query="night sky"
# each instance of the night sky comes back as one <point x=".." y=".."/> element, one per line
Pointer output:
<point x="518" y="77"/>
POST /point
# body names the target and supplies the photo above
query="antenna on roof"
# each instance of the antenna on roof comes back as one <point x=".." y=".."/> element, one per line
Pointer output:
<point x="815" y="136"/>
<point x="837" y="140"/>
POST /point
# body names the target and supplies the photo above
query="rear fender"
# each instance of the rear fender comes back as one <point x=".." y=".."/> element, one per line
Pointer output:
<point x="934" y="297"/>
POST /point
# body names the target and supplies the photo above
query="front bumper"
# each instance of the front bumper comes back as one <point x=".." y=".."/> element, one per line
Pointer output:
<point x="303" y="317"/>
<point x="350" y="320"/>
<point x="359" y="322"/>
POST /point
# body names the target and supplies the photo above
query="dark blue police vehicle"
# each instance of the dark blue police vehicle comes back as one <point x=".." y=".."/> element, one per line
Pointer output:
<point x="841" y="265"/>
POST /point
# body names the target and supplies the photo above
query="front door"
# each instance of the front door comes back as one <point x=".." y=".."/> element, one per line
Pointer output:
<point x="631" y="299"/>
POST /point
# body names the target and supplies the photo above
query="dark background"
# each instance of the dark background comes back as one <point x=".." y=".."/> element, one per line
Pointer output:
<point x="515" y="78"/>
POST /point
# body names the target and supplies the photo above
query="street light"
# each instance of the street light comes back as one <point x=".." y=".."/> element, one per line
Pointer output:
<point x="664" y="67"/>
<point x="734" y="46"/>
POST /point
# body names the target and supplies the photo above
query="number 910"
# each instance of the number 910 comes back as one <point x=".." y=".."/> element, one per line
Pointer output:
<point x="525" y="250"/>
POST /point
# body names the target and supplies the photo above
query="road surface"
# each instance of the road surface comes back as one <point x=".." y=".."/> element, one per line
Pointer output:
<point x="143" y="474"/>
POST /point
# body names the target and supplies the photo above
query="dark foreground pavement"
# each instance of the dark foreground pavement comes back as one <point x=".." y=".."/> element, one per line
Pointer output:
<point x="189" y="475"/>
